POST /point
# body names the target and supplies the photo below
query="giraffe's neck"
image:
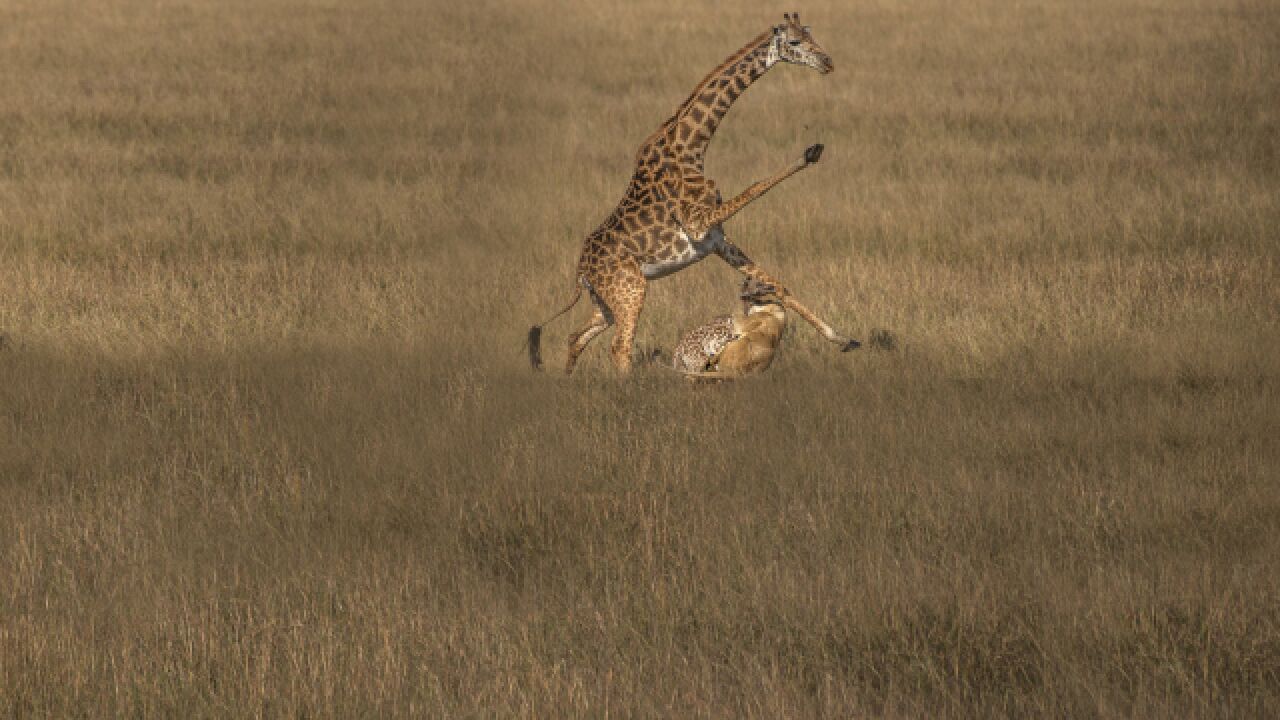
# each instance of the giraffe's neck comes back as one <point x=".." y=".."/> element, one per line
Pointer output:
<point x="696" y="120"/>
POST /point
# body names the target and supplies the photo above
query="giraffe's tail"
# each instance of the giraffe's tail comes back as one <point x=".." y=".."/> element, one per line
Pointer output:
<point x="534" y="342"/>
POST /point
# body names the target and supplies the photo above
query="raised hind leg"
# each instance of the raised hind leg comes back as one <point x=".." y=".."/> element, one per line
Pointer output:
<point x="578" y="341"/>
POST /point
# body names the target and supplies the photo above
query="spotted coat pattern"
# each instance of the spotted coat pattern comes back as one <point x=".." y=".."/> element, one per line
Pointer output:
<point x="671" y="214"/>
<point x="698" y="349"/>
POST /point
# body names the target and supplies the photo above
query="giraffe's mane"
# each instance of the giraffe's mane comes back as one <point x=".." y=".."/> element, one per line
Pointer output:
<point x="670" y="122"/>
<point x="742" y="52"/>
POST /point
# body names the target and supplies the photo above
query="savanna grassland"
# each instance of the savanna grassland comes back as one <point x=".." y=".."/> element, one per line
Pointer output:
<point x="269" y="444"/>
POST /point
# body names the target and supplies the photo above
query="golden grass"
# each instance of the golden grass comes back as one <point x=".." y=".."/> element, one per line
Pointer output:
<point x="269" y="446"/>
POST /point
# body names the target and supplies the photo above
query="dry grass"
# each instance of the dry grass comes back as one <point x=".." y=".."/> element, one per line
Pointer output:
<point x="268" y="445"/>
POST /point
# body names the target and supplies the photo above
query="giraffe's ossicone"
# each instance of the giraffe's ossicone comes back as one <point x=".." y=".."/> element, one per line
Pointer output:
<point x="671" y="214"/>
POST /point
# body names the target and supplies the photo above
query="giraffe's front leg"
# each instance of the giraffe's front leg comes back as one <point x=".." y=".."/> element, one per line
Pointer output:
<point x="846" y="344"/>
<point x="739" y="261"/>
<point x="723" y="211"/>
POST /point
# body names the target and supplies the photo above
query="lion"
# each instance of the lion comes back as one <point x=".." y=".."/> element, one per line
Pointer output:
<point x="735" y="346"/>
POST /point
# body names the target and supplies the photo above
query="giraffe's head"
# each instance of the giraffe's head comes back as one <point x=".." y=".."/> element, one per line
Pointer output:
<point x="794" y="43"/>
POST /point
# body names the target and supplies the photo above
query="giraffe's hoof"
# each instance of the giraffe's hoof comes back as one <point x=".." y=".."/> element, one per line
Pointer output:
<point x="850" y="345"/>
<point x="812" y="154"/>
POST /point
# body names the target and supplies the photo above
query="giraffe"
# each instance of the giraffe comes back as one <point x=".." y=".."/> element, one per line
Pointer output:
<point x="671" y="215"/>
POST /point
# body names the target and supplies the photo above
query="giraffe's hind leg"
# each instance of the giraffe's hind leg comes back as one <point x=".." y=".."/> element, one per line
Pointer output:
<point x="578" y="341"/>
<point x="618" y="300"/>
<point x="625" y="298"/>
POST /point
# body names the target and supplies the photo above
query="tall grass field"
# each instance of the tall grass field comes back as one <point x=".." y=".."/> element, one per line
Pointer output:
<point x="270" y="445"/>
